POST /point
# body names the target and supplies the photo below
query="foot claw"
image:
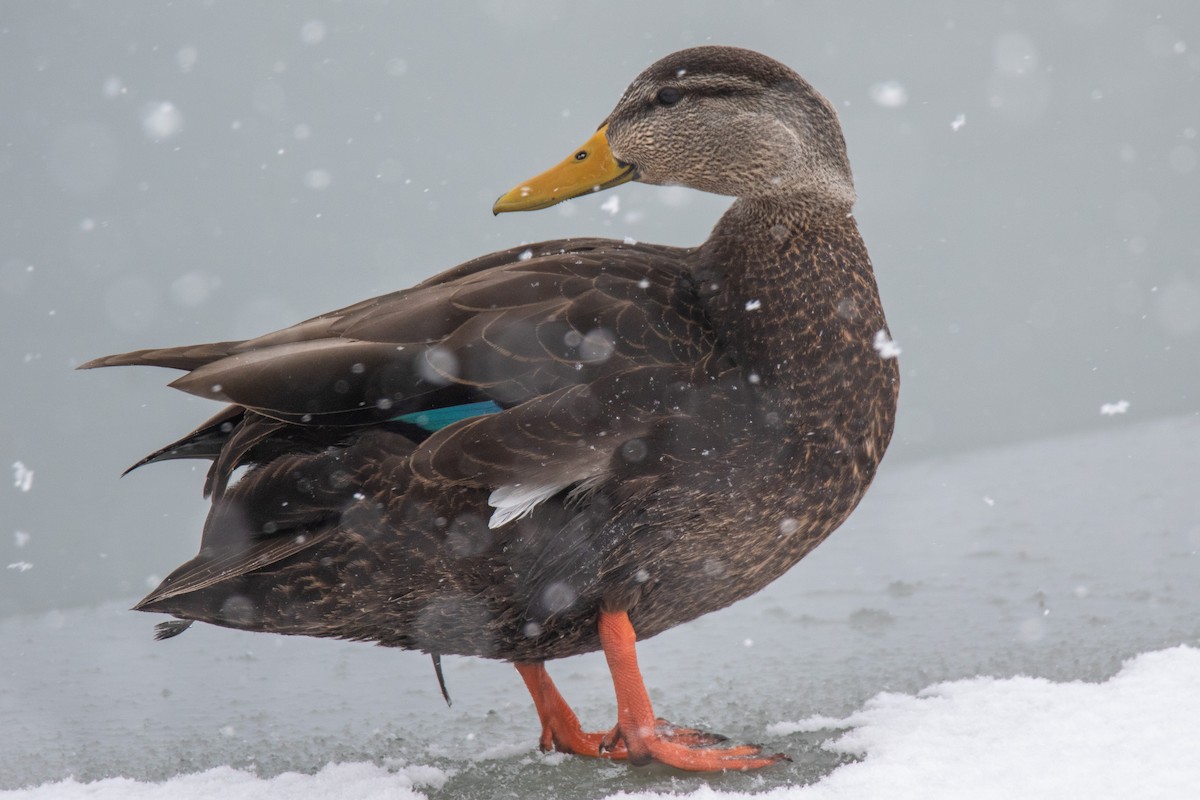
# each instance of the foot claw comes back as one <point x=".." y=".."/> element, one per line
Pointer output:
<point x="610" y="742"/>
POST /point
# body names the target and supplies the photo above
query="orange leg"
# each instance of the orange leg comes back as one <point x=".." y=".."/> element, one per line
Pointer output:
<point x="639" y="736"/>
<point x="560" y="727"/>
<point x="637" y="726"/>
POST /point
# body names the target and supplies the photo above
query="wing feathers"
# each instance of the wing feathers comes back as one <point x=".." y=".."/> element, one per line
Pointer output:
<point x="552" y="342"/>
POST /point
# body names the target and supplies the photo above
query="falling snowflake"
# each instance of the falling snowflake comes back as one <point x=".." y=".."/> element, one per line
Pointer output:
<point x="884" y="345"/>
<point x="21" y="566"/>
<point x="113" y="87"/>
<point x="753" y="305"/>
<point x="22" y="476"/>
<point x="161" y="121"/>
<point x="612" y="205"/>
<point x="889" y="94"/>
<point x="317" y="179"/>
<point x="1112" y="409"/>
<point x="312" y="32"/>
<point x="958" y="122"/>
<point x="186" y="58"/>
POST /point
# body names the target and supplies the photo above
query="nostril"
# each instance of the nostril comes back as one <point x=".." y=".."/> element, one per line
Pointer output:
<point x="581" y="155"/>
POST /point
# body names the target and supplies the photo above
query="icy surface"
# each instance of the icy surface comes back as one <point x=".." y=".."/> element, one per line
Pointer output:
<point x="1132" y="736"/>
<point x="1088" y="555"/>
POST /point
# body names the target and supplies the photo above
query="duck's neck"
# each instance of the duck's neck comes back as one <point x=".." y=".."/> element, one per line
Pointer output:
<point x="788" y="285"/>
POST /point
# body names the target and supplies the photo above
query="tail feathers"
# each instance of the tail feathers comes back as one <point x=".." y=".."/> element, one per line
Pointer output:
<point x="168" y="630"/>
<point x="206" y="441"/>
<point x="188" y="357"/>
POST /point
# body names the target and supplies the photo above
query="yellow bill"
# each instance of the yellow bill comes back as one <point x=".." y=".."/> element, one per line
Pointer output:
<point x="591" y="168"/>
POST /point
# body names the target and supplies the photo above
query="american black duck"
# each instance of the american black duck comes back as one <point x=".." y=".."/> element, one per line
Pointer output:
<point x="568" y="446"/>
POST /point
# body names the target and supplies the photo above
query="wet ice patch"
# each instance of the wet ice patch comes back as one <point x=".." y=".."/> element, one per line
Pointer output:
<point x="807" y="725"/>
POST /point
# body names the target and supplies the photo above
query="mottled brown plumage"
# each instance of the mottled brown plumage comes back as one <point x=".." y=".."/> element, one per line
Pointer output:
<point x="692" y="421"/>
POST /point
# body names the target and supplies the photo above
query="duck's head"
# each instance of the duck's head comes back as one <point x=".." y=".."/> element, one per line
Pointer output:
<point x="718" y="119"/>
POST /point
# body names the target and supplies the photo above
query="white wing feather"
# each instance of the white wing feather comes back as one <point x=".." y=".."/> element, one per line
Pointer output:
<point x="515" y="500"/>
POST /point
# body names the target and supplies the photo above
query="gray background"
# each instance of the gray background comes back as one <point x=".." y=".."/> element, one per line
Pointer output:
<point x="1038" y="261"/>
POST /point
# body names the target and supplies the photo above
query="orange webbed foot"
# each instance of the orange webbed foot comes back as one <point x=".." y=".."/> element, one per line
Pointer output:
<point x="668" y="731"/>
<point x="688" y="749"/>
<point x="638" y="737"/>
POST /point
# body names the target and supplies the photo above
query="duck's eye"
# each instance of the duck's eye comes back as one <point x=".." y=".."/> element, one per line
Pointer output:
<point x="669" y="96"/>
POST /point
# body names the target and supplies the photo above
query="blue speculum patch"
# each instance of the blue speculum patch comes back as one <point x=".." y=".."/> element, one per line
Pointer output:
<point x="434" y="419"/>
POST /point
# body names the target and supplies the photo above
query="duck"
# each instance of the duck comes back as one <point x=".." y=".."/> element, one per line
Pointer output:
<point x="567" y="446"/>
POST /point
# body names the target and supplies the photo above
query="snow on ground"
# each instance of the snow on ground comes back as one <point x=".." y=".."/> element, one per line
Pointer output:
<point x="1134" y="735"/>
<point x="1131" y="736"/>
<point x="333" y="782"/>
